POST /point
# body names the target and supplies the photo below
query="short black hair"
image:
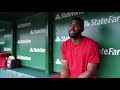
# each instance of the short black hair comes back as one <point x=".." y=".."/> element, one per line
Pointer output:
<point x="80" y="20"/>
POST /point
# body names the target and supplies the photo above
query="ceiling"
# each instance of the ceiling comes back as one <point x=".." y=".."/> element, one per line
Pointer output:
<point x="9" y="16"/>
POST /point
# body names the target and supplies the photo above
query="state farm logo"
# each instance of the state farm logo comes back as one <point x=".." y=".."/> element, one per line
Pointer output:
<point x="86" y="23"/>
<point x="58" y="61"/>
<point x="67" y="14"/>
<point x="107" y="20"/>
<point x="61" y="38"/>
<point x="57" y="17"/>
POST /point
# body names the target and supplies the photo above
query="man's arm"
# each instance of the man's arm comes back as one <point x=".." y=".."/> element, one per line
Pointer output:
<point x="64" y="70"/>
<point x="91" y="70"/>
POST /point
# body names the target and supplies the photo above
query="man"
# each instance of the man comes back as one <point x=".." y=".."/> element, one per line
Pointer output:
<point x="80" y="54"/>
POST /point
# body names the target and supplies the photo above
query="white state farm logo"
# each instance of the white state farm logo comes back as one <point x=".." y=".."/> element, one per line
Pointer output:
<point x="61" y="39"/>
<point x="2" y="42"/>
<point x="23" y="57"/>
<point x="86" y="23"/>
<point x="24" y="25"/>
<point x="23" y="41"/>
<point x="37" y="50"/>
<point x="68" y="14"/>
<point x="58" y="61"/>
<point x="94" y="22"/>
<point x="37" y="31"/>
<point x="7" y="49"/>
<point x="7" y="35"/>
<point x="110" y="51"/>
<point x="1" y="30"/>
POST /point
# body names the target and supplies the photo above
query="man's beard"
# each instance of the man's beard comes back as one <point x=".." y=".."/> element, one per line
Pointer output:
<point x="76" y="35"/>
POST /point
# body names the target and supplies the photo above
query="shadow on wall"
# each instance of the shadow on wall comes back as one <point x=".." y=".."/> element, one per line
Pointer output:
<point x="104" y="43"/>
<point x="0" y="50"/>
<point x="105" y="36"/>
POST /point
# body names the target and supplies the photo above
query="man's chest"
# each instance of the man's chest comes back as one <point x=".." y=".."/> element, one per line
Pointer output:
<point x="80" y="52"/>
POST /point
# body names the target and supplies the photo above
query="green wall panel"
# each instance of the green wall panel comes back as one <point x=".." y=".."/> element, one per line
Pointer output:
<point x="6" y="41"/>
<point x="31" y="38"/>
<point x="103" y="27"/>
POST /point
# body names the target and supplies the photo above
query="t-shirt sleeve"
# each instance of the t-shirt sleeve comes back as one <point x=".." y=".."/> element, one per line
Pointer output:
<point x="63" y="51"/>
<point x="94" y="56"/>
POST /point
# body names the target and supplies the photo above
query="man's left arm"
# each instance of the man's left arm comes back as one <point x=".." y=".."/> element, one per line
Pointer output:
<point x="94" y="59"/>
<point x="90" y="72"/>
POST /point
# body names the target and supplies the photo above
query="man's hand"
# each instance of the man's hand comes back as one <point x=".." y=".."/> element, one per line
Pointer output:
<point x="65" y="70"/>
<point x="91" y="70"/>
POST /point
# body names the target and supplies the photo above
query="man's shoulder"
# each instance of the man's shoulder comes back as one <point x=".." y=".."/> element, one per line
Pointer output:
<point x="67" y="42"/>
<point x="90" y="40"/>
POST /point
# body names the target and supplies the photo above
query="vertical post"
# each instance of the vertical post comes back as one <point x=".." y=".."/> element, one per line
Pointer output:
<point x="49" y="45"/>
<point x="14" y="36"/>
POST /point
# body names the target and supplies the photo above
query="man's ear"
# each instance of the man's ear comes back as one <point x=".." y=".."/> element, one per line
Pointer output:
<point x="82" y="29"/>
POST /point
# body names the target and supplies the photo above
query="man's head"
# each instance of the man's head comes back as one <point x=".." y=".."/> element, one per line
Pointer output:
<point x="76" y="27"/>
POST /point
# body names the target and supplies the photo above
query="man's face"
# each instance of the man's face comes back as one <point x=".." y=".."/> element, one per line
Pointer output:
<point x="75" y="29"/>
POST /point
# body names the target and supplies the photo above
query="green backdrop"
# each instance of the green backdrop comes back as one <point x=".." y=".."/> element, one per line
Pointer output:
<point x="103" y="27"/>
<point x="31" y="44"/>
<point x="6" y="38"/>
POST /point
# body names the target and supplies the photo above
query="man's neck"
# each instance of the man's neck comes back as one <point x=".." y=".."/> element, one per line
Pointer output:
<point x="77" y="40"/>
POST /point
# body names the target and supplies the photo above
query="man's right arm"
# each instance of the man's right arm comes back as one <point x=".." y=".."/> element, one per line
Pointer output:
<point x="65" y="69"/>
